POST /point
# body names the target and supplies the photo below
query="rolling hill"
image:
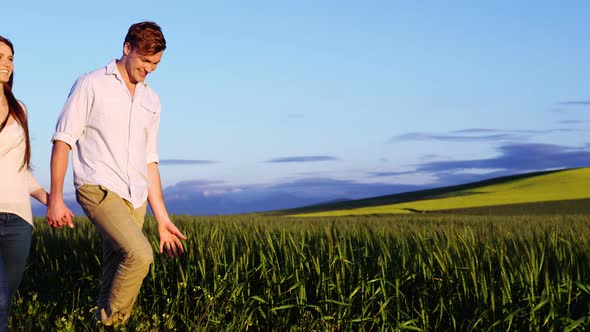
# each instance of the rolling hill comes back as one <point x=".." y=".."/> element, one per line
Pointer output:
<point x="546" y="191"/>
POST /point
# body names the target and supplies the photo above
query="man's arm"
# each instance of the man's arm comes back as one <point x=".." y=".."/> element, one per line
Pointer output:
<point x="69" y="128"/>
<point x="170" y="236"/>
<point x="58" y="214"/>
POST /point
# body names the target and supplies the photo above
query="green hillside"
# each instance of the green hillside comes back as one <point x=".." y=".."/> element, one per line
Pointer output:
<point x="529" y="188"/>
<point x="557" y="208"/>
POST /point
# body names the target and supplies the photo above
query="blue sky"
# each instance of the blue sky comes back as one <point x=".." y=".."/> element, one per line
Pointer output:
<point x="328" y="99"/>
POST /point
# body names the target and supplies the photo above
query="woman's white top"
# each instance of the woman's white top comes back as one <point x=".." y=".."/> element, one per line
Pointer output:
<point x="16" y="182"/>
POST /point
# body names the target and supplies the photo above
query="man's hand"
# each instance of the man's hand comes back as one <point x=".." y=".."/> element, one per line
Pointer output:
<point x="58" y="214"/>
<point x="170" y="237"/>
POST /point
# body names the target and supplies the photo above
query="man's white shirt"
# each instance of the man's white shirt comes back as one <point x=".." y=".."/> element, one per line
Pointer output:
<point x="113" y="135"/>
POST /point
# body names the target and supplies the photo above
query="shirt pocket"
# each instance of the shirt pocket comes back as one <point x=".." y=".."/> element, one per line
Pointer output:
<point x="148" y="116"/>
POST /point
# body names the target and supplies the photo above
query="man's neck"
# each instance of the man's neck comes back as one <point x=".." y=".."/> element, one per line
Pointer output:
<point x="125" y="77"/>
<point x="122" y="72"/>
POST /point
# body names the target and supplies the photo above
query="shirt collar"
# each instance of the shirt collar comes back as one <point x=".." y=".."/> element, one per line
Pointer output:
<point x="112" y="69"/>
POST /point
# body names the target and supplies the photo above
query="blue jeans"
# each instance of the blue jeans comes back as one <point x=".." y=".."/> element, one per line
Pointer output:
<point x="15" y="243"/>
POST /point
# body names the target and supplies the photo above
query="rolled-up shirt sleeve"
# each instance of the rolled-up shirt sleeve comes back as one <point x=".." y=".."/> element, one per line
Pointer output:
<point x="72" y="120"/>
<point x="152" y="138"/>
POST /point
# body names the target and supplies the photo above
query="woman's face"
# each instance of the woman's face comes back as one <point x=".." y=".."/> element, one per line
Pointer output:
<point x="6" y="63"/>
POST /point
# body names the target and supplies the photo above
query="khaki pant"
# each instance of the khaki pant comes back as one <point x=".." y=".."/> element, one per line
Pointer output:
<point x="126" y="253"/>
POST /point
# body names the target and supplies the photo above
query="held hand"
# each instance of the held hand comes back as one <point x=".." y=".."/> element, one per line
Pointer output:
<point x="58" y="214"/>
<point x="170" y="237"/>
<point x="68" y="218"/>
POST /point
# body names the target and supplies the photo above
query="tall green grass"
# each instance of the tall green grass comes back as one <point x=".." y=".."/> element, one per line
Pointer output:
<point x="396" y="273"/>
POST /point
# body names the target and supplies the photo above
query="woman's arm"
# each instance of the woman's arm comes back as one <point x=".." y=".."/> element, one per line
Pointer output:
<point x="41" y="195"/>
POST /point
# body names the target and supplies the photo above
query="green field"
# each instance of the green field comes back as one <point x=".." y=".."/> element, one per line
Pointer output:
<point x="563" y="185"/>
<point x="523" y="266"/>
<point x="388" y="273"/>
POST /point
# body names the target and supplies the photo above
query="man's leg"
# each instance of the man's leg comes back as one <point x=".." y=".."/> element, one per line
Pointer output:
<point x="127" y="254"/>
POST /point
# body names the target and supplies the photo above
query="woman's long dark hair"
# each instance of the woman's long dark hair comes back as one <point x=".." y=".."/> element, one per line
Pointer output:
<point x="15" y="109"/>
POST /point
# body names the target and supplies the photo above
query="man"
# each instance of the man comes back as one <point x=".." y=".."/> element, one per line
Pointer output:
<point x="110" y="122"/>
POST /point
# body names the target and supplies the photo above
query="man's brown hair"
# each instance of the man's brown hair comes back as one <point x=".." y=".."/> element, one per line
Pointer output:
<point x="146" y="38"/>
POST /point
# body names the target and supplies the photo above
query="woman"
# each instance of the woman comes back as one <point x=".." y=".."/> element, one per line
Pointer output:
<point x="16" y="184"/>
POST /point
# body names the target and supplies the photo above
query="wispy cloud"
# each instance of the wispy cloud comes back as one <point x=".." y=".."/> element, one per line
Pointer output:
<point x="315" y="188"/>
<point x="518" y="158"/>
<point x="511" y="159"/>
<point x="461" y="137"/>
<point x="295" y="116"/>
<point x="572" y="122"/>
<point x="479" y="135"/>
<point x="301" y="159"/>
<point x="430" y="157"/>
<point x="387" y="174"/>
<point x="574" y="103"/>
<point x="199" y="183"/>
<point x="169" y="162"/>
<point x="488" y="130"/>
<point x="205" y="188"/>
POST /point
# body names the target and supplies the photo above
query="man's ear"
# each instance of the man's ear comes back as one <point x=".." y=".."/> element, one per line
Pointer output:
<point x="126" y="48"/>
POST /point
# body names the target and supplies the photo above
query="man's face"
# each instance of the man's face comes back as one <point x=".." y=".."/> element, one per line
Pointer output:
<point x="138" y="66"/>
<point x="6" y="63"/>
